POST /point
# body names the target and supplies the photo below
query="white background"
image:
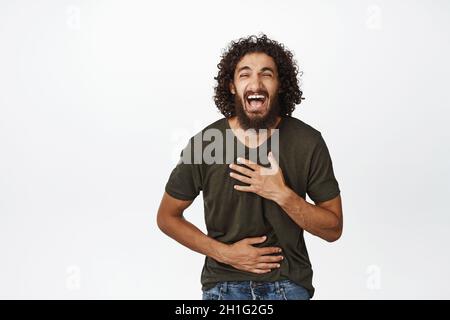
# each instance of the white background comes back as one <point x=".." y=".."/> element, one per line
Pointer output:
<point x="97" y="98"/>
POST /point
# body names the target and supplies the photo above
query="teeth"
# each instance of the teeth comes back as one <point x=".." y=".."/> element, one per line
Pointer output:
<point x="256" y="96"/>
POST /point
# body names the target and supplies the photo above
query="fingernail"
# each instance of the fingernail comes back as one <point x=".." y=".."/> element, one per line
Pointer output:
<point x="239" y="159"/>
<point x="264" y="237"/>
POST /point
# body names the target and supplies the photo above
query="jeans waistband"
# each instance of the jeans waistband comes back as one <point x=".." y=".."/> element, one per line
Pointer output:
<point x="251" y="284"/>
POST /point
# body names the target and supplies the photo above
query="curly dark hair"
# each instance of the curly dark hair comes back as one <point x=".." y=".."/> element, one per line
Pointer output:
<point x="289" y="93"/>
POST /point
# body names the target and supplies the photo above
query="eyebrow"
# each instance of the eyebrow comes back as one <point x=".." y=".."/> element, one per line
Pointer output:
<point x="243" y="68"/>
<point x="262" y="70"/>
<point x="267" y="69"/>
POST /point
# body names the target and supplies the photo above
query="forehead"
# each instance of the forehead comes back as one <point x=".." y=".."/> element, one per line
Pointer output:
<point x="256" y="61"/>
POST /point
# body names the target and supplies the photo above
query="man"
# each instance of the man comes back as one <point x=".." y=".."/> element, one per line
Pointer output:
<point x="255" y="209"/>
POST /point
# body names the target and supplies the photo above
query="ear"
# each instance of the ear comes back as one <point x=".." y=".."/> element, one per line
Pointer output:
<point x="232" y="88"/>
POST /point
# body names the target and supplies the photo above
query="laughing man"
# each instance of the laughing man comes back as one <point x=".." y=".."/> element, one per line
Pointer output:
<point x="255" y="207"/>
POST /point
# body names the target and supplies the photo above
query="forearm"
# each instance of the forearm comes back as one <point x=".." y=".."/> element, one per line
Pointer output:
<point x="190" y="236"/>
<point x="312" y="218"/>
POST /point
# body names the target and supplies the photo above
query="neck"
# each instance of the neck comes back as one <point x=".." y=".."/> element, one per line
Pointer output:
<point x="253" y="138"/>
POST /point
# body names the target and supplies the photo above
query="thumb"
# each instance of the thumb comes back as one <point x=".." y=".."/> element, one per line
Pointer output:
<point x="273" y="166"/>
<point x="255" y="240"/>
<point x="273" y="162"/>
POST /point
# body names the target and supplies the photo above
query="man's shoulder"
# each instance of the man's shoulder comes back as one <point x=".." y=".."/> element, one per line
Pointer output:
<point x="218" y="125"/>
<point x="299" y="128"/>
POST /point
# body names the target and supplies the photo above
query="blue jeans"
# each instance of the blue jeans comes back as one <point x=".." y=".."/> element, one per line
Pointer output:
<point x="254" y="290"/>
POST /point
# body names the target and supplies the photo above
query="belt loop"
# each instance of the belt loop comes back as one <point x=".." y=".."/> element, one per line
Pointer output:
<point x="277" y="287"/>
<point x="225" y="286"/>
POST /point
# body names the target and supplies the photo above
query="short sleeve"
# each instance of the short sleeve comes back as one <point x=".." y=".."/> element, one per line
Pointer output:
<point x="322" y="184"/>
<point x="185" y="180"/>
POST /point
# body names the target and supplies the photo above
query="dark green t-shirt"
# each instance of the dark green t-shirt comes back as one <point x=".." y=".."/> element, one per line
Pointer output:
<point x="232" y="215"/>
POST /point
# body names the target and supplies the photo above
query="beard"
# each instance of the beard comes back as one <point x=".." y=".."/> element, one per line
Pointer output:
<point x="257" y="121"/>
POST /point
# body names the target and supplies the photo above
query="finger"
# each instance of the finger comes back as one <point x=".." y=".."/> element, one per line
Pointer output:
<point x="270" y="258"/>
<point x="248" y="163"/>
<point x="267" y="265"/>
<point x="241" y="177"/>
<point x="273" y="162"/>
<point x="244" y="188"/>
<point x="268" y="250"/>
<point x="259" y="270"/>
<point x="254" y="240"/>
<point x="274" y="167"/>
<point x="242" y="170"/>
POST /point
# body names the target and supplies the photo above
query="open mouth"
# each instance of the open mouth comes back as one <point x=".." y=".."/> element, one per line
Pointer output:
<point x="256" y="102"/>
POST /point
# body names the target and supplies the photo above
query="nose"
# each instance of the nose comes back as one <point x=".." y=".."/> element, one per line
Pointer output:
<point x="254" y="84"/>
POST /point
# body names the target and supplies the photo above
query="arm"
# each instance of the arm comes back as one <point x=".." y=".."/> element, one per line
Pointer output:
<point x="241" y="255"/>
<point x="171" y="221"/>
<point x="323" y="219"/>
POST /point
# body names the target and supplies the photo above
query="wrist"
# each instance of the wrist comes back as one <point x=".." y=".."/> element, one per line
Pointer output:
<point x="283" y="197"/>
<point x="219" y="251"/>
